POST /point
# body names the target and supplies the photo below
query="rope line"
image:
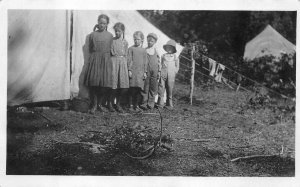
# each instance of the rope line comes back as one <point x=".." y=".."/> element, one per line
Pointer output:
<point x="188" y="68"/>
<point x="282" y="95"/>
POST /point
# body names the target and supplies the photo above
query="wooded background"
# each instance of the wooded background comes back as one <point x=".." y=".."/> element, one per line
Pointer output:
<point x="225" y="34"/>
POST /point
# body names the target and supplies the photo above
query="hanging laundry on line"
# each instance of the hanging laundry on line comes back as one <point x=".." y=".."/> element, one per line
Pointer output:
<point x="212" y="67"/>
<point x="219" y="71"/>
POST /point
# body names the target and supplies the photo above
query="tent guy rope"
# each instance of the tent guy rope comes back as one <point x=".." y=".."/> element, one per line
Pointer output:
<point x="243" y="76"/>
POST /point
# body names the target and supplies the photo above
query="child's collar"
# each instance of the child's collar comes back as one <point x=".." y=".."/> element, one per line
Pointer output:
<point x="153" y="47"/>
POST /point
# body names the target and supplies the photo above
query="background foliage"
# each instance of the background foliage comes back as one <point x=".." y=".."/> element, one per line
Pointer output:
<point x="225" y="34"/>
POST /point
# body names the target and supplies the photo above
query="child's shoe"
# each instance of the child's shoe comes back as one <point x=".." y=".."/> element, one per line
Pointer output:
<point x="131" y="109"/>
<point x="119" y="109"/>
<point x="151" y="105"/>
<point x="101" y="108"/>
<point x="160" y="103"/>
<point x="137" y="109"/>
<point x="170" y="103"/>
<point x="111" y="108"/>
<point x="144" y="107"/>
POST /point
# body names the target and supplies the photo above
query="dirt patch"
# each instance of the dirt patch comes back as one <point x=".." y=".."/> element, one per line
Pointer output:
<point x="205" y="137"/>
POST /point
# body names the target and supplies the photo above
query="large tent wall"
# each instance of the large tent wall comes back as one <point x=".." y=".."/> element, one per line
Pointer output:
<point x="83" y="24"/>
<point x="40" y="44"/>
<point x="38" y="56"/>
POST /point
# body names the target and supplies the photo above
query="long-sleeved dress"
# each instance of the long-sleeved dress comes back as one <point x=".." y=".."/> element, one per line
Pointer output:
<point x="119" y="49"/>
<point x="137" y="64"/>
<point x="99" y="69"/>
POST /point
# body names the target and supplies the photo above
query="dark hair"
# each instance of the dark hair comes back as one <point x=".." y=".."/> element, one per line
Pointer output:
<point x="104" y="16"/>
<point x="120" y="26"/>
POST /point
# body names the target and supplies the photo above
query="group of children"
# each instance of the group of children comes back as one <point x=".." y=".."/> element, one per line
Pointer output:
<point x="115" y="69"/>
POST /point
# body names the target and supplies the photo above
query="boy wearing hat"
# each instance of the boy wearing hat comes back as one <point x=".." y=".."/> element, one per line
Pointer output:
<point x="169" y="68"/>
<point x="153" y="73"/>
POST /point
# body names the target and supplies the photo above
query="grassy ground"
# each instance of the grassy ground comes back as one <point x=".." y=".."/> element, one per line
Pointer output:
<point x="206" y="136"/>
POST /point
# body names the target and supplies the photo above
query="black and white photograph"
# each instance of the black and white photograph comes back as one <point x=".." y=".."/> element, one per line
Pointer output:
<point x="190" y="93"/>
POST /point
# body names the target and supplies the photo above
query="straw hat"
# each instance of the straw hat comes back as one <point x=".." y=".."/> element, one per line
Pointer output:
<point x="171" y="43"/>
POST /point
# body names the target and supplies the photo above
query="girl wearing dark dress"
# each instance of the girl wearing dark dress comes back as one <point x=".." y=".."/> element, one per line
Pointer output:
<point x="137" y="70"/>
<point x="99" y="70"/>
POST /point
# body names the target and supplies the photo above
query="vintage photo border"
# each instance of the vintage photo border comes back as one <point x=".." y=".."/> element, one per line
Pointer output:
<point x="249" y="5"/>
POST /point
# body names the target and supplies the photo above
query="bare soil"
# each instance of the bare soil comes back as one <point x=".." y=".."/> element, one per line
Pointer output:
<point x="206" y="136"/>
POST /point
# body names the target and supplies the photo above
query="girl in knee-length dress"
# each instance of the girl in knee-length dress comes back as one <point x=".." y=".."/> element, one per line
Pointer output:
<point x="120" y="79"/>
<point x="98" y="76"/>
<point x="137" y="70"/>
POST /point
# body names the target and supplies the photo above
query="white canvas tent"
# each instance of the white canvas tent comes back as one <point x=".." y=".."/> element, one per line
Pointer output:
<point x="268" y="42"/>
<point x="40" y="44"/>
<point x="38" y="58"/>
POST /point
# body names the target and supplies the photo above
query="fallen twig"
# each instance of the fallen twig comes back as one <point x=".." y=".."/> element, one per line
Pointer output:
<point x="151" y="113"/>
<point x="84" y="143"/>
<point x="45" y="117"/>
<point x="125" y="114"/>
<point x="167" y="147"/>
<point x="201" y="140"/>
<point x="150" y="147"/>
<point x="142" y="157"/>
<point x="252" y="156"/>
<point x="198" y="140"/>
<point x="240" y="147"/>
<point x="95" y="131"/>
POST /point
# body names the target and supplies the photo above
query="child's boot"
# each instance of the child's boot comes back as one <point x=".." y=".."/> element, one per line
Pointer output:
<point x="94" y="104"/>
<point x="171" y="103"/>
<point x="144" y="106"/>
<point x="160" y="102"/>
<point x="131" y="109"/>
<point x="119" y="108"/>
<point x="110" y="107"/>
<point x="93" y="109"/>
<point x="130" y="106"/>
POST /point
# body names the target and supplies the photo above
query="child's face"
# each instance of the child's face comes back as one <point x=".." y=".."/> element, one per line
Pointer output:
<point x="137" y="41"/>
<point x="102" y="24"/>
<point x="169" y="49"/>
<point x="151" y="41"/>
<point x="118" y="33"/>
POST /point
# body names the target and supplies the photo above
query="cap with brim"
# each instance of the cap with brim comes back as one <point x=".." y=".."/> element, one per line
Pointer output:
<point x="153" y="36"/>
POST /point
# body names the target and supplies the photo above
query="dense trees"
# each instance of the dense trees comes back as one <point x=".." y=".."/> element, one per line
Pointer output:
<point x="225" y="33"/>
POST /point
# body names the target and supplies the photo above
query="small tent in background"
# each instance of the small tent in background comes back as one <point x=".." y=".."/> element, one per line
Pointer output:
<point x="268" y="42"/>
<point x="39" y="47"/>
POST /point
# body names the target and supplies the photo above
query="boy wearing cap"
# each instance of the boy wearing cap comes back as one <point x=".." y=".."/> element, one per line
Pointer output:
<point x="153" y="74"/>
<point x="169" y="68"/>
